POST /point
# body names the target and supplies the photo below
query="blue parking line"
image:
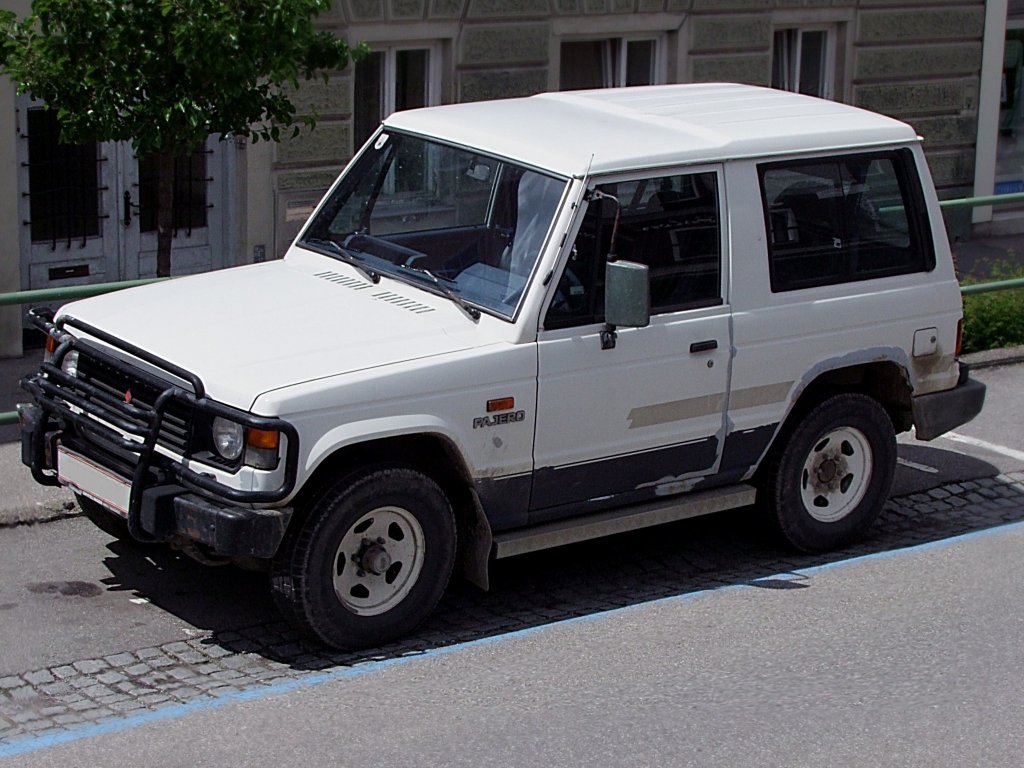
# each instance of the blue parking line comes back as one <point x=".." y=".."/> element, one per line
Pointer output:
<point x="118" y="725"/>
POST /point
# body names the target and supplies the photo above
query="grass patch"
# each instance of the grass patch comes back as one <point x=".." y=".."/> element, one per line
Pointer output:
<point x="994" y="320"/>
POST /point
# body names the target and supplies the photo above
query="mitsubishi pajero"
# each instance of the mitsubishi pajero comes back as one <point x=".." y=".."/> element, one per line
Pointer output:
<point x="515" y="324"/>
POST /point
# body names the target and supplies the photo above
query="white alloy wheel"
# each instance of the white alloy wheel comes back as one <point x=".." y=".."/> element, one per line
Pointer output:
<point x="379" y="561"/>
<point x="836" y="474"/>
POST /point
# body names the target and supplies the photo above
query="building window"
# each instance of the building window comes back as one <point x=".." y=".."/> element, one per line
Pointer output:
<point x="608" y="63"/>
<point x="189" y="206"/>
<point x="802" y="61"/>
<point x="390" y="80"/>
<point x="63" y="183"/>
<point x="1010" y="149"/>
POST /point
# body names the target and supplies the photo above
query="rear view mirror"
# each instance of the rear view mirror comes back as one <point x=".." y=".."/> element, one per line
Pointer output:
<point x="478" y="171"/>
<point x="627" y="295"/>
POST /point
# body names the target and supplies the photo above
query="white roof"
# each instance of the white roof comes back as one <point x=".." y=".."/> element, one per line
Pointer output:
<point x="620" y="128"/>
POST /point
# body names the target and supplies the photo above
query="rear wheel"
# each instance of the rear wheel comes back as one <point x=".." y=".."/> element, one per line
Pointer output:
<point x="828" y="482"/>
<point x="371" y="559"/>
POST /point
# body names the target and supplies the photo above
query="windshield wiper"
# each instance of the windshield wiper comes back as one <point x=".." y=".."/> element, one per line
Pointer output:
<point x="346" y="256"/>
<point x="439" y="283"/>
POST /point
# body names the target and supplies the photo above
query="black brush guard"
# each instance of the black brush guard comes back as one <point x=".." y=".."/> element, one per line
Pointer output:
<point x="83" y="414"/>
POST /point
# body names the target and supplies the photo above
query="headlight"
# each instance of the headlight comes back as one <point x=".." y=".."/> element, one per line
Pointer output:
<point x="228" y="438"/>
<point x="70" y="364"/>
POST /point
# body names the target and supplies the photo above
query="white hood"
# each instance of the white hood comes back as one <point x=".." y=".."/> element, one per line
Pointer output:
<point x="249" y="330"/>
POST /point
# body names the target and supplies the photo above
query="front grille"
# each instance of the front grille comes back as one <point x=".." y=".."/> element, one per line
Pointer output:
<point x="121" y="383"/>
<point x="94" y="406"/>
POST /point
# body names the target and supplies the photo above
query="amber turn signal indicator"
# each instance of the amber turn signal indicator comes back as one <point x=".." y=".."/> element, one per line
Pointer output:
<point x="501" y="404"/>
<point x="262" y="438"/>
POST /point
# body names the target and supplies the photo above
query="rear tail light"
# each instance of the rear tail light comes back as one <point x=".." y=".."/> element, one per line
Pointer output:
<point x="959" y="336"/>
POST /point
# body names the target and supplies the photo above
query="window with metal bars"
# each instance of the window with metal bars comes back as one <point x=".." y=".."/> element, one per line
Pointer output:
<point x="63" y="183"/>
<point x="190" y="187"/>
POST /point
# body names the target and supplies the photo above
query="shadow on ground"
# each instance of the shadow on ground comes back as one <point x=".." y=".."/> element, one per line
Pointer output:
<point x="737" y="547"/>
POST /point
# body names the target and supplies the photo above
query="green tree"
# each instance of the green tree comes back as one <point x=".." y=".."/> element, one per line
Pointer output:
<point x="166" y="74"/>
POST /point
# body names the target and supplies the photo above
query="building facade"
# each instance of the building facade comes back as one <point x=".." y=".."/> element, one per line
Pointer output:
<point x="951" y="68"/>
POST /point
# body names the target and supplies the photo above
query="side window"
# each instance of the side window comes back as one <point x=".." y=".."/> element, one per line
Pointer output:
<point x="669" y="223"/>
<point x="838" y="220"/>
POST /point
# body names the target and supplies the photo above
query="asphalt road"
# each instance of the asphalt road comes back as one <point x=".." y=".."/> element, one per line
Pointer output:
<point x="700" y="643"/>
<point x="898" y="659"/>
<point x="910" y="660"/>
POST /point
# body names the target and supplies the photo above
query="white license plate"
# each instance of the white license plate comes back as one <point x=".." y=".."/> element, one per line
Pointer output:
<point x="92" y="480"/>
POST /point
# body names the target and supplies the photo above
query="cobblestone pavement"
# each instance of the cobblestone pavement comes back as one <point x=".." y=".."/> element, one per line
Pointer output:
<point x="725" y="549"/>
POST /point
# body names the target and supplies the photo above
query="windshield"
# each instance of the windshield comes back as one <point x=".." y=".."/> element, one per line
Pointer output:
<point x="466" y="225"/>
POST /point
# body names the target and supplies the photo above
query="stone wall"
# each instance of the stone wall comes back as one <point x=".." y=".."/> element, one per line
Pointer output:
<point x="918" y="61"/>
<point x="923" y="65"/>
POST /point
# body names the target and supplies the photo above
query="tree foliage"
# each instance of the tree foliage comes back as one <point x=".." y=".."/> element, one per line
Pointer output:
<point x="165" y="74"/>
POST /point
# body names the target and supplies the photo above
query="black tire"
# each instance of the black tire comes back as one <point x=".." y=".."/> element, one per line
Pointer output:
<point x="832" y="473"/>
<point x="104" y="519"/>
<point x="370" y="559"/>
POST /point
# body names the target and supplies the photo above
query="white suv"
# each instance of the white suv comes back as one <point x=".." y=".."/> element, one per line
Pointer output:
<point x="516" y="324"/>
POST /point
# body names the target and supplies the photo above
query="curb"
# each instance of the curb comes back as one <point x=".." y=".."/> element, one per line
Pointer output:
<point x="41" y="512"/>
<point x="991" y="358"/>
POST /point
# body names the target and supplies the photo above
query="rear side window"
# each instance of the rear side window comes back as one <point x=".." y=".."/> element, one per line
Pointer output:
<point x="840" y="219"/>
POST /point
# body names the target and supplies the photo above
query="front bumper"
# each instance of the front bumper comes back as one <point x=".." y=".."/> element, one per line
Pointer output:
<point x="939" y="412"/>
<point x="166" y="512"/>
<point x="161" y="497"/>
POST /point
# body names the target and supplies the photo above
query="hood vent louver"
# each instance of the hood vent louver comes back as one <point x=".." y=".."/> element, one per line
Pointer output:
<point x="395" y="299"/>
<point x="403" y="301"/>
<point x="349" y="282"/>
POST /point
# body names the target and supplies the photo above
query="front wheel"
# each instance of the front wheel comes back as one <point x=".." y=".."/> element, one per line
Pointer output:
<point x="828" y="482"/>
<point x="371" y="559"/>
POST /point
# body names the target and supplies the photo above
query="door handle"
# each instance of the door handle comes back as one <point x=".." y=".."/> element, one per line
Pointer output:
<point x="127" y="219"/>
<point x="703" y="346"/>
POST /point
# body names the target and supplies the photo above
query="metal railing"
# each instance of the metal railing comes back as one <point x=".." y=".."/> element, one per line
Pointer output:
<point x="972" y="202"/>
<point x="71" y="292"/>
<point x="997" y="285"/>
<point x="66" y="293"/>
<point x="84" y="291"/>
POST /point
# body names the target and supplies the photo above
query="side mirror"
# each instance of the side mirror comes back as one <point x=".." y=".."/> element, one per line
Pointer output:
<point x="627" y="301"/>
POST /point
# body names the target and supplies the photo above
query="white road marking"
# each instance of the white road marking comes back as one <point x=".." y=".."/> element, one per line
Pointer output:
<point x="139" y="600"/>
<point x="918" y="467"/>
<point x="1013" y="453"/>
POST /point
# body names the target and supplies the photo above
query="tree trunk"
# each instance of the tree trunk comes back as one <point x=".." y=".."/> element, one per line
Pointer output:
<point x="164" y="212"/>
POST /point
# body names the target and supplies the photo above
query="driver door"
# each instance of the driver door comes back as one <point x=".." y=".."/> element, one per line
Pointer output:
<point x="645" y="418"/>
